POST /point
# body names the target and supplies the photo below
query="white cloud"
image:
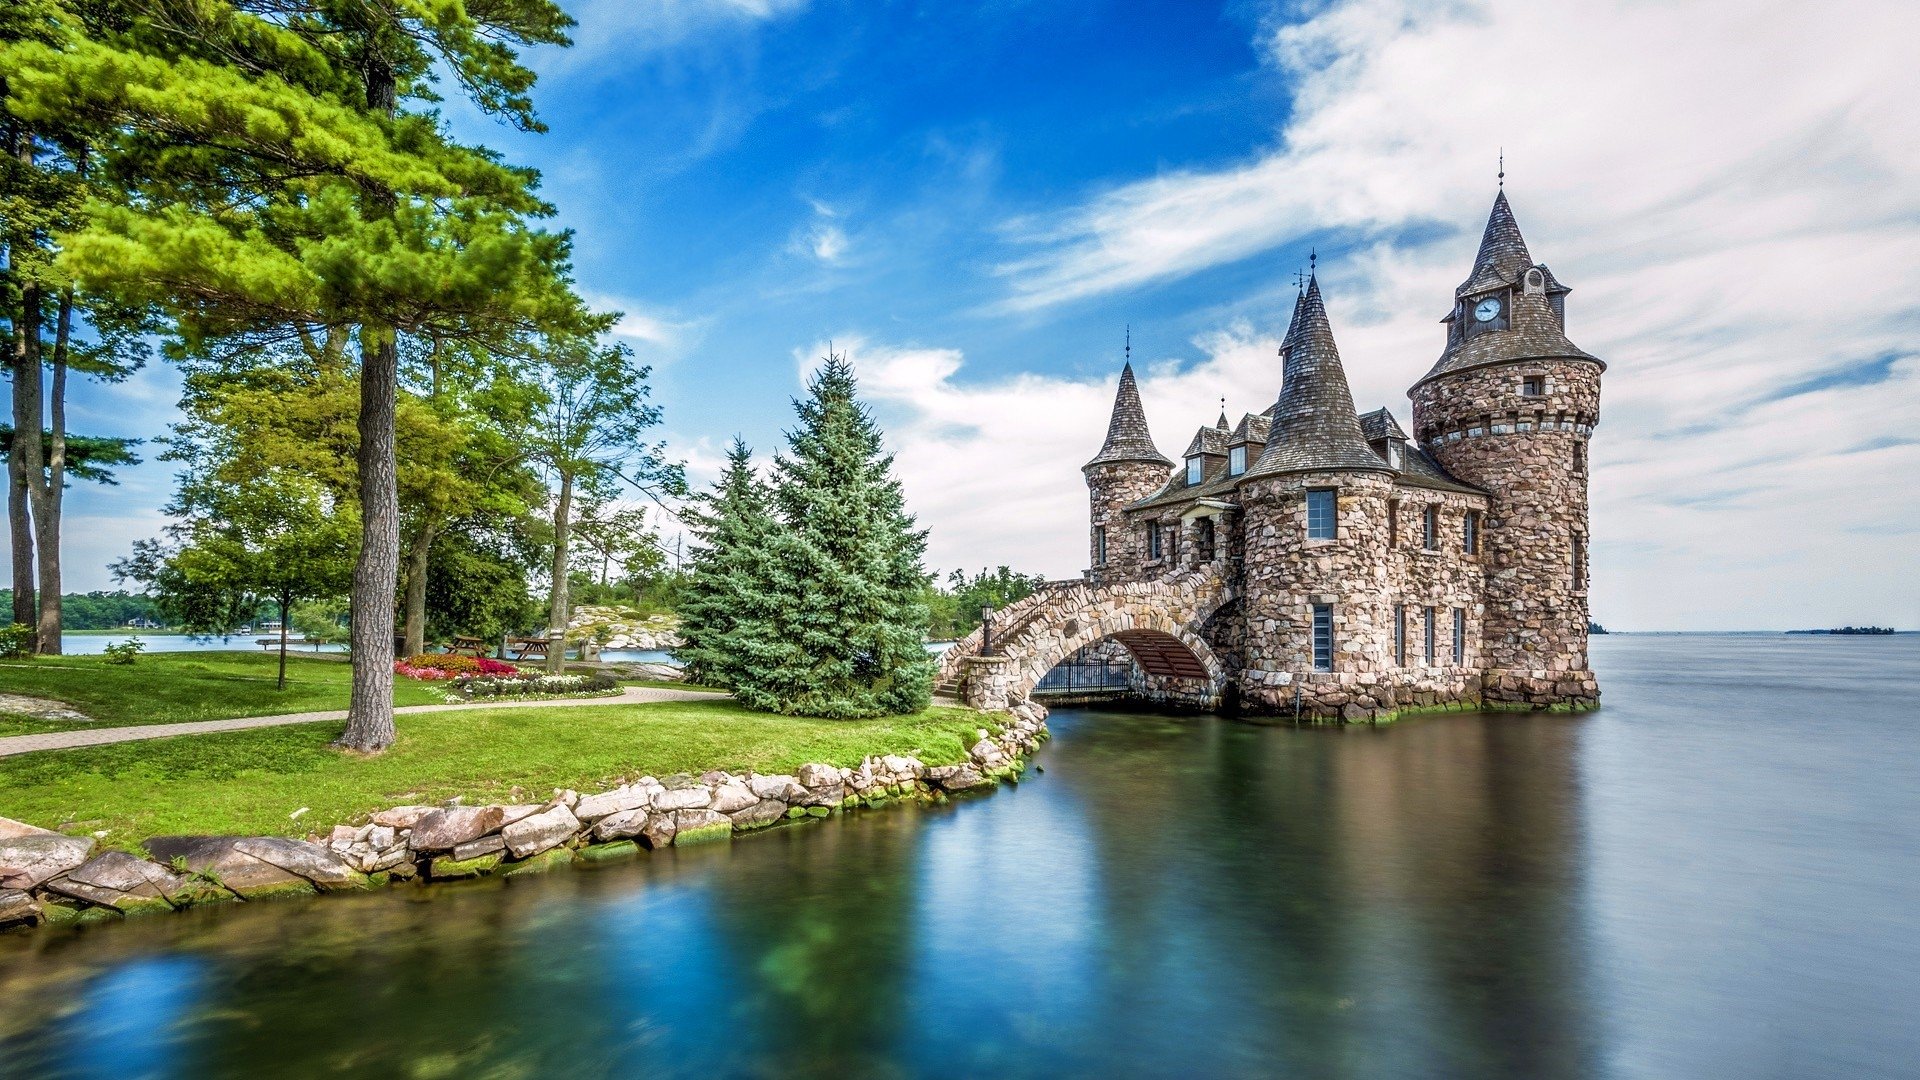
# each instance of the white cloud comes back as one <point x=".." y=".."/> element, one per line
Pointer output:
<point x="611" y="30"/>
<point x="1734" y="192"/>
<point x="823" y="238"/>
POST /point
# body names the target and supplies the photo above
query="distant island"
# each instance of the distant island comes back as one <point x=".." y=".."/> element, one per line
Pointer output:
<point x="1595" y="628"/>
<point x="1848" y="630"/>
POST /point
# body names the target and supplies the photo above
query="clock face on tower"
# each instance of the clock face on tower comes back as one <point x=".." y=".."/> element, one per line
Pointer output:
<point x="1487" y="310"/>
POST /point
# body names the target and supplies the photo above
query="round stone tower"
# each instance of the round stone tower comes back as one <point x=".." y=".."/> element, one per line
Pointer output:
<point x="1510" y="407"/>
<point x="1128" y="468"/>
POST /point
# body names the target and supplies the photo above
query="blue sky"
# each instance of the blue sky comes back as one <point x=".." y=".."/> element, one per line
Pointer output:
<point x="974" y="200"/>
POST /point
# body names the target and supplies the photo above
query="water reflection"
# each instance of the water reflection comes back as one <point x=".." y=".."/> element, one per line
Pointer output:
<point x="1471" y="896"/>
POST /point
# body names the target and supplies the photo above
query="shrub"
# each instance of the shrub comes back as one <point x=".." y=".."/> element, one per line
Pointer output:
<point x="124" y="652"/>
<point x="14" y="638"/>
<point x="532" y="685"/>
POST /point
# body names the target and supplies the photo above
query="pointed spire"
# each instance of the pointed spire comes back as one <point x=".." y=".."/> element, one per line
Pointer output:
<point x="1503" y="253"/>
<point x="1128" y="438"/>
<point x="1222" y="422"/>
<point x="1314" y="424"/>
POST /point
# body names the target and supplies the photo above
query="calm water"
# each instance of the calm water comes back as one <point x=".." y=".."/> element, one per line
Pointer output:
<point x="1717" y="875"/>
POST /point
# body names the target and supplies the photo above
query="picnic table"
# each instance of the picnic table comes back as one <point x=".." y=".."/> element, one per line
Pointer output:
<point x="272" y="643"/>
<point x="524" y="648"/>
<point x="467" y="646"/>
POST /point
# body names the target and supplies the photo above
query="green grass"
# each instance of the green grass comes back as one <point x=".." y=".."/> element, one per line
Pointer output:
<point x="168" y="688"/>
<point x="249" y="781"/>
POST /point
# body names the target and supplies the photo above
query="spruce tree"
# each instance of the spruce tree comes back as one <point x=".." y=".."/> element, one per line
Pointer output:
<point x="725" y="607"/>
<point x="848" y="619"/>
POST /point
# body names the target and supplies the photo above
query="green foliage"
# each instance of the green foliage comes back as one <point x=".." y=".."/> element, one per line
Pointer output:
<point x="322" y="620"/>
<point x="16" y="640"/>
<point x="955" y="610"/>
<point x="813" y="609"/>
<point x="98" y="610"/>
<point x="89" y="457"/>
<point x="477" y="584"/>
<point x="124" y="653"/>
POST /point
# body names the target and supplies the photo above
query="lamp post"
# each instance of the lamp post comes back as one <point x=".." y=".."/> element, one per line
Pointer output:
<point x="986" y="629"/>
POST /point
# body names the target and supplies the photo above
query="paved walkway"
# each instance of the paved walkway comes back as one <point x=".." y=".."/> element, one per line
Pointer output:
<point x="61" y="740"/>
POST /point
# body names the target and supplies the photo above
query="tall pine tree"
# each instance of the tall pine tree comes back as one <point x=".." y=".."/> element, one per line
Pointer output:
<point x="848" y="622"/>
<point x="726" y="606"/>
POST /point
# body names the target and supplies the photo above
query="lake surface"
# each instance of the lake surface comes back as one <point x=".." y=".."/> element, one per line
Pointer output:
<point x="1716" y="875"/>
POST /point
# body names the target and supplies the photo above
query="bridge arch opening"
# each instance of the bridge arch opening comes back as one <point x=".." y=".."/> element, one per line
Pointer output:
<point x="1154" y="665"/>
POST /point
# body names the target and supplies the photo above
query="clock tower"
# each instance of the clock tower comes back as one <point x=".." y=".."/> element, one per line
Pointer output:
<point x="1510" y="406"/>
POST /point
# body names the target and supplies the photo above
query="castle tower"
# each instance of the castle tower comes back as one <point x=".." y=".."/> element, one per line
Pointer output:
<point x="1128" y="468"/>
<point x="1510" y="406"/>
<point x="1315" y="505"/>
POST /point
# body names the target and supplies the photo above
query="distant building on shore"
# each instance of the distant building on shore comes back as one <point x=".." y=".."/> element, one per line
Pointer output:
<point x="1377" y="570"/>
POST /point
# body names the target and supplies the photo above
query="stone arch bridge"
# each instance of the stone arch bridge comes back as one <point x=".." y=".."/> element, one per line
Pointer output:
<point x="1159" y="622"/>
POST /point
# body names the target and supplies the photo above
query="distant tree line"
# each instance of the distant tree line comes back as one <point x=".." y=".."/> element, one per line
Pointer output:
<point x="99" y="610"/>
<point x="955" y="609"/>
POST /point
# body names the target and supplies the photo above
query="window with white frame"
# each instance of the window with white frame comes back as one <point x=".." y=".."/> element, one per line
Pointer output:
<point x="1236" y="460"/>
<point x="1153" y="540"/>
<point x="1196" y="468"/>
<point x="1322" y="514"/>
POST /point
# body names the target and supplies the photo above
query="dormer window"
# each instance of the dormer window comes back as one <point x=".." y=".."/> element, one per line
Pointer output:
<point x="1533" y="386"/>
<point x="1196" y="468"/>
<point x="1236" y="460"/>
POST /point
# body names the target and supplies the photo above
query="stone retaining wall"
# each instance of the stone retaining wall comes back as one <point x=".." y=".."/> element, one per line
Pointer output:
<point x="49" y="878"/>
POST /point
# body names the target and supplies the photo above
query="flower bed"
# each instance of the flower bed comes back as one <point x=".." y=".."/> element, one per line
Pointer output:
<point x="441" y="667"/>
<point x="529" y="686"/>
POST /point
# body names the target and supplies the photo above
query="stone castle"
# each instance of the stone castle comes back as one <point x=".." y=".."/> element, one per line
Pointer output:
<point x="1372" y="572"/>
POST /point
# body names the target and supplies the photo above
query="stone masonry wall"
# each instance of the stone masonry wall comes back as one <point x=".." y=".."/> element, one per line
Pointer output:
<point x="48" y="877"/>
<point x="1110" y="489"/>
<point x="1530" y="451"/>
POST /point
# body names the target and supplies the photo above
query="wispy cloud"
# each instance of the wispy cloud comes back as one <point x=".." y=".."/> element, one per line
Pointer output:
<point x="609" y="31"/>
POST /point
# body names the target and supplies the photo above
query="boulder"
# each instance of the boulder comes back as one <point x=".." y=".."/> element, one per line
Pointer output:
<point x="402" y="817"/>
<point x="659" y="830"/>
<point x="444" y="830"/>
<point x="26" y="861"/>
<point x="619" y="800"/>
<point x="700" y="826"/>
<point x="829" y="794"/>
<point x="13" y="830"/>
<point x="783" y="788"/>
<point x="218" y="858"/>
<point x="513" y="813"/>
<point x="764" y="812"/>
<point x="118" y="880"/>
<point x="473" y="849"/>
<point x="621" y="825"/>
<point x="955" y="777"/>
<point x="815" y="775"/>
<point x="689" y="795"/>
<point x="310" y="861"/>
<point x="16" y="905"/>
<point x="732" y="797"/>
<point x="538" y="832"/>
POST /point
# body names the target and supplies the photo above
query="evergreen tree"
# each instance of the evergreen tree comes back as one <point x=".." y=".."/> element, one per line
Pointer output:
<point x="725" y="603"/>
<point x="849" y="622"/>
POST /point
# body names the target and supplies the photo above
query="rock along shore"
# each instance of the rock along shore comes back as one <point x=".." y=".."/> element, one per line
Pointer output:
<point x="50" y="878"/>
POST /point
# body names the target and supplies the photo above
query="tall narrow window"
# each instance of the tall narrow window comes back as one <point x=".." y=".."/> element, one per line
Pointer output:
<point x="1470" y="533"/>
<point x="1430" y="525"/>
<point x="1205" y="539"/>
<point x="1322" y="517"/>
<point x="1579" y="455"/>
<point x="1323" y="637"/>
<point x="1579" y="563"/>
<point x="1196" y="468"/>
<point x="1099" y="545"/>
<point x="1393" y="524"/>
<point x="1429" y="641"/>
<point x="1236" y="460"/>
<point x="1400" y="635"/>
<point x="1460" y="637"/>
<point x="1153" y="540"/>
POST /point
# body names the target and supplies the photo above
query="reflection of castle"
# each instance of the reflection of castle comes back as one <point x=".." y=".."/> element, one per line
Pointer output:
<point x="1377" y="571"/>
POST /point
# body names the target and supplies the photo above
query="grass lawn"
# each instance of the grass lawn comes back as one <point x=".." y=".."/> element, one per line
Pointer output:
<point x="250" y="781"/>
<point x="167" y="688"/>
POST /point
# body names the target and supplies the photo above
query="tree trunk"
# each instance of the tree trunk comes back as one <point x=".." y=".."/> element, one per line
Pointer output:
<point x="557" y="609"/>
<point x="285" y="606"/>
<point x="417" y="551"/>
<point x="48" y="499"/>
<point x="370" y="708"/>
<point x="24" y="463"/>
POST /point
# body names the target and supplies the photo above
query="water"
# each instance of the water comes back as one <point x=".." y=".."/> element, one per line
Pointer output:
<point x="1714" y="876"/>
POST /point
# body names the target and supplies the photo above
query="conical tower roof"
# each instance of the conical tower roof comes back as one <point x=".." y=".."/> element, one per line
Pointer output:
<point x="1314" y="425"/>
<point x="1127" y="436"/>
<point x="1503" y="253"/>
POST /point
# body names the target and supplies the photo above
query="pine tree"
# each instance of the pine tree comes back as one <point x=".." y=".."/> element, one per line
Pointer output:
<point x="725" y="608"/>
<point x="848" y="620"/>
